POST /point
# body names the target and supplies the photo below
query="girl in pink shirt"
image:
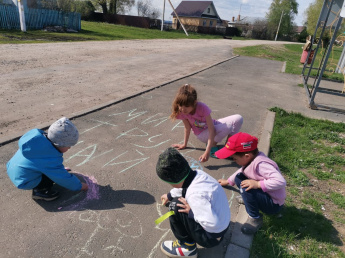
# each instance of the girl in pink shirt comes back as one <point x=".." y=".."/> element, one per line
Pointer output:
<point x="196" y="117"/>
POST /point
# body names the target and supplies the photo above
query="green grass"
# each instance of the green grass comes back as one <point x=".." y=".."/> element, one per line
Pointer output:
<point x="311" y="155"/>
<point x="291" y="53"/>
<point x="95" y="31"/>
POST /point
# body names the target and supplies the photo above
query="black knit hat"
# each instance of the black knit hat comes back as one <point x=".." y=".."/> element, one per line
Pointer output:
<point x="172" y="167"/>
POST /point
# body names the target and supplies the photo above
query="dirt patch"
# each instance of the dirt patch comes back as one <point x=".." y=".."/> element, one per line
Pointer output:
<point x="42" y="82"/>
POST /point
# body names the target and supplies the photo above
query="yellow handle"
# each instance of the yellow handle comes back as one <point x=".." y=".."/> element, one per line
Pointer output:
<point x="164" y="217"/>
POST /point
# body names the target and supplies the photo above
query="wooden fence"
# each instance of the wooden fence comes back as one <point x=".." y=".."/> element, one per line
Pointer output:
<point x="38" y="18"/>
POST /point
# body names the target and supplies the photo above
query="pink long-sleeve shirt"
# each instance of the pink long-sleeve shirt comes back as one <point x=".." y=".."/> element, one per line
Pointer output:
<point x="266" y="171"/>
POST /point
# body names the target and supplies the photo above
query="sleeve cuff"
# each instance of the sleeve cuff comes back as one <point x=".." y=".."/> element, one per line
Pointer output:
<point x="169" y="196"/>
<point x="191" y="214"/>
<point x="263" y="187"/>
<point x="230" y="182"/>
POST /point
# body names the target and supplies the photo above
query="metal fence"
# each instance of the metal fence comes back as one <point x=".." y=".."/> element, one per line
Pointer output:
<point x="38" y="18"/>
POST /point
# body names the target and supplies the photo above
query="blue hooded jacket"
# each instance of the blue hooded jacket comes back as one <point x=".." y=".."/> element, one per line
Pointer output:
<point x="37" y="156"/>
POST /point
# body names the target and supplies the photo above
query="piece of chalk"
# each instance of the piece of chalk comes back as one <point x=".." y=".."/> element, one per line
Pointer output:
<point x="163" y="202"/>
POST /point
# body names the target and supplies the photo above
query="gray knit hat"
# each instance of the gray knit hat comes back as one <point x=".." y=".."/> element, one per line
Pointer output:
<point x="172" y="167"/>
<point x="63" y="133"/>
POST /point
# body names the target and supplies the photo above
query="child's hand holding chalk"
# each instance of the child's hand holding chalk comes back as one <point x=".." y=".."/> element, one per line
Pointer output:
<point x="164" y="199"/>
<point x="204" y="157"/>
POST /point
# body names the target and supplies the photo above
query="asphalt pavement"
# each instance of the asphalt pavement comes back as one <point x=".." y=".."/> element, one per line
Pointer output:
<point x="117" y="154"/>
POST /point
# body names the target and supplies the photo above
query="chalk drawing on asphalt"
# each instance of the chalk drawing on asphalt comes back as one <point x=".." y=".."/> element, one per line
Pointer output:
<point x="131" y="113"/>
<point x="146" y="96"/>
<point x="159" y="120"/>
<point x="109" y="233"/>
<point x="91" y="194"/>
<point x="100" y="123"/>
<point x="142" y="140"/>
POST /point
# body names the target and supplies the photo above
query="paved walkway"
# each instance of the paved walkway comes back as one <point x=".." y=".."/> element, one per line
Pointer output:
<point x="116" y="155"/>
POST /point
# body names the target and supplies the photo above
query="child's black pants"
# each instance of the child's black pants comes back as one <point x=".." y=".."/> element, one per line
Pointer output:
<point x="46" y="183"/>
<point x="188" y="230"/>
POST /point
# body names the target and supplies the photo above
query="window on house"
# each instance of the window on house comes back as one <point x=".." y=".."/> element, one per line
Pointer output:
<point x="204" y="23"/>
<point x="208" y="10"/>
<point x="211" y="23"/>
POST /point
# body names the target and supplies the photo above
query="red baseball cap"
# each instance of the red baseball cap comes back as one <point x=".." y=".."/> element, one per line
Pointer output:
<point x="240" y="142"/>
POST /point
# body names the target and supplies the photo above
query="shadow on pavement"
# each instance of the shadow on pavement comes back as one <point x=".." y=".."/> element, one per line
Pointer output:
<point x="232" y="188"/>
<point x="96" y="198"/>
<point x="230" y="165"/>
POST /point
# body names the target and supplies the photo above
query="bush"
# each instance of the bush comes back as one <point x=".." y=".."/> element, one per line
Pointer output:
<point x="303" y="35"/>
<point x="233" y="31"/>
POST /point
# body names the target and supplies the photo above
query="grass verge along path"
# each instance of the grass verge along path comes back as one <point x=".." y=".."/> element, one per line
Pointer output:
<point x="291" y="53"/>
<point x="95" y="31"/>
<point x="311" y="156"/>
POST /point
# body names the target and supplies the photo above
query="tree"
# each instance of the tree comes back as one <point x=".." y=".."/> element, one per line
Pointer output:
<point x="259" y="29"/>
<point x="289" y="8"/>
<point x="85" y="8"/>
<point x="115" y="6"/>
<point x="303" y="35"/>
<point x="145" y="9"/>
<point x="313" y="13"/>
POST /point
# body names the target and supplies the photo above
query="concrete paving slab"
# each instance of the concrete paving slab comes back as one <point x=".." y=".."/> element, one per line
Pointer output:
<point x="236" y="251"/>
<point x="238" y="238"/>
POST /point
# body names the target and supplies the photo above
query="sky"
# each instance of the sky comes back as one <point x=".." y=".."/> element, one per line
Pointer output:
<point x="228" y="8"/>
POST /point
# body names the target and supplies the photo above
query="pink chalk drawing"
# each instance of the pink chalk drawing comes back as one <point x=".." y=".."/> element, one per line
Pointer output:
<point x="91" y="194"/>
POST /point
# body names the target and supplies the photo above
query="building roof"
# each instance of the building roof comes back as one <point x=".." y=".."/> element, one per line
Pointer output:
<point x="195" y="9"/>
<point x="299" y="29"/>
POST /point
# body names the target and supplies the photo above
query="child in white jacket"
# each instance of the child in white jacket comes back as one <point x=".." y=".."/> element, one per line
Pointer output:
<point x="201" y="208"/>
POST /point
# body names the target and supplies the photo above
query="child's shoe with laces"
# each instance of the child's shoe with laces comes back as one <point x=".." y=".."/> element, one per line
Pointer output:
<point x="44" y="194"/>
<point x="252" y="225"/>
<point x="179" y="248"/>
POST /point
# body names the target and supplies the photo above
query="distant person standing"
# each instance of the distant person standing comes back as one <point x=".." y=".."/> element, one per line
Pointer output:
<point x="196" y="116"/>
<point x="37" y="165"/>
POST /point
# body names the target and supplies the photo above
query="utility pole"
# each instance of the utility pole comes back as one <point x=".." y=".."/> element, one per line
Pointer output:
<point x="21" y="16"/>
<point x="178" y="18"/>
<point x="279" y="26"/>
<point x="163" y="15"/>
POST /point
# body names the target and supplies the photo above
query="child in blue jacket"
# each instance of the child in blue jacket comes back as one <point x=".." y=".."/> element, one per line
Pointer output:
<point x="37" y="165"/>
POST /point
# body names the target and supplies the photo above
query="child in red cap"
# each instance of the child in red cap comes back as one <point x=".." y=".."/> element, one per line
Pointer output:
<point x="260" y="181"/>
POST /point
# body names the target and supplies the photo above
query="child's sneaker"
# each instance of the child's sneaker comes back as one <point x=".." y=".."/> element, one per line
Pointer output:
<point x="252" y="225"/>
<point x="44" y="194"/>
<point x="178" y="248"/>
<point x="213" y="152"/>
<point x="239" y="199"/>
